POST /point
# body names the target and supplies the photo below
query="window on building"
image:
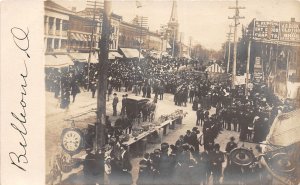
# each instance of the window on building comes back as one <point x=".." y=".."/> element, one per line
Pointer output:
<point x="57" y="24"/>
<point x="65" y="25"/>
<point x="51" y="21"/>
<point x="56" y="43"/>
<point x="49" y="44"/>
<point x="64" y="44"/>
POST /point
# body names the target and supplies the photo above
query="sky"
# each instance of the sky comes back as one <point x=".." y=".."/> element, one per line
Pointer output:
<point x="206" y="21"/>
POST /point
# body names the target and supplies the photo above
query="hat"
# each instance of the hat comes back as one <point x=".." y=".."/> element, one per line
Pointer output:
<point x="217" y="146"/>
<point x="195" y="129"/>
<point x="115" y="93"/>
<point x="188" y="131"/>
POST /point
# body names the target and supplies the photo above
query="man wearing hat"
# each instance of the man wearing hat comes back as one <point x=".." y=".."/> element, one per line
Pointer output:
<point x="229" y="147"/>
<point x="89" y="166"/>
<point x="114" y="104"/>
<point x="217" y="158"/>
<point x="123" y="109"/>
<point x="194" y="139"/>
<point x="187" y="137"/>
<point x="145" y="171"/>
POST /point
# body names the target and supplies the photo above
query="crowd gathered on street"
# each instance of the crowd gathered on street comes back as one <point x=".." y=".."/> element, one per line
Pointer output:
<point x="181" y="162"/>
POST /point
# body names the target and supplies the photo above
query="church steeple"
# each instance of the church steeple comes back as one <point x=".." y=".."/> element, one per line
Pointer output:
<point x="173" y="22"/>
<point x="174" y="18"/>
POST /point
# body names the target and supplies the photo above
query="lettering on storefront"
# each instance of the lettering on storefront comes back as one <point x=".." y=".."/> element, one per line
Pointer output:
<point x="290" y="31"/>
<point x="282" y="31"/>
<point x="266" y="30"/>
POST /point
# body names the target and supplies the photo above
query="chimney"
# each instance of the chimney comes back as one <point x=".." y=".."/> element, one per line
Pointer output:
<point x="73" y="9"/>
<point x="293" y="19"/>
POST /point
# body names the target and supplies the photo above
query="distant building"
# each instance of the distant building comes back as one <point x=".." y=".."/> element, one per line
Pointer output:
<point x="276" y="48"/>
<point x="130" y="35"/>
<point x="69" y="31"/>
<point x="56" y="25"/>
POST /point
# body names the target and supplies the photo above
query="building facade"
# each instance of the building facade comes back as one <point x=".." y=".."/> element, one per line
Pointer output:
<point x="276" y="47"/>
<point x="71" y="31"/>
<point x="56" y="25"/>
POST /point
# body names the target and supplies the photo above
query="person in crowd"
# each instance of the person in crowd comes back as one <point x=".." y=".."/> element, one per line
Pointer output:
<point x="198" y="113"/>
<point x="206" y="166"/>
<point x="93" y="88"/>
<point x="89" y="166"/>
<point x="187" y="137"/>
<point x="229" y="147"/>
<point x="217" y="158"/>
<point x="161" y="91"/>
<point x="145" y="176"/>
<point x="109" y="91"/>
<point x="114" y="104"/>
<point x="126" y="166"/>
<point x="144" y="90"/>
<point x="194" y="140"/>
<point x="192" y="94"/>
<point x="148" y="91"/>
<point x="195" y="103"/>
<point x="123" y="109"/>
<point x="74" y="89"/>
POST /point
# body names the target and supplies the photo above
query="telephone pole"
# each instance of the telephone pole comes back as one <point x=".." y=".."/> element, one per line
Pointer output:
<point x="229" y="39"/>
<point x="190" y="47"/>
<point x="142" y="23"/>
<point x="248" y="65"/>
<point x="95" y="5"/>
<point x="102" y="78"/>
<point x="236" y="18"/>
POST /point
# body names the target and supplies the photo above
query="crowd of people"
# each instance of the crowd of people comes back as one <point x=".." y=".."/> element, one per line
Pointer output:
<point x="181" y="162"/>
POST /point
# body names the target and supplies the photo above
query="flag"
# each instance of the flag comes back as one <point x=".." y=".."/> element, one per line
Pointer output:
<point x="138" y="4"/>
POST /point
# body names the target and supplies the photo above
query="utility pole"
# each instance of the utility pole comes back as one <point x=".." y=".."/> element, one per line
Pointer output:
<point x="102" y="78"/>
<point x="190" y="46"/>
<point x="287" y="72"/>
<point x="95" y="5"/>
<point x="236" y="18"/>
<point x="173" y="49"/>
<point x="229" y="39"/>
<point x="142" y="22"/>
<point x="180" y="53"/>
<point x="248" y="66"/>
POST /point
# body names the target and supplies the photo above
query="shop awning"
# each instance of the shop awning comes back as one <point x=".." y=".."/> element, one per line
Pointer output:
<point x="114" y="55"/>
<point x="58" y="61"/>
<point x="82" y="37"/>
<point x="215" y="68"/>
<point x="131" y="53"/>
<point x="83" y="57"/>
<point x="75" y="36"/>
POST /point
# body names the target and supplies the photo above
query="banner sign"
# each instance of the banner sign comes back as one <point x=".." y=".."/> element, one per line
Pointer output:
<point x="290" y="31"/>
<point x="266" y="30"/>
<point x="280" y="31"/>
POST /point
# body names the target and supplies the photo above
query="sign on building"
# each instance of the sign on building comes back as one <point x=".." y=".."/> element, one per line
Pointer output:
<point x="257" y="75"/>
<point x="266" y="30"/>
<point x="290" y="31"/>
